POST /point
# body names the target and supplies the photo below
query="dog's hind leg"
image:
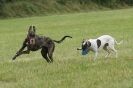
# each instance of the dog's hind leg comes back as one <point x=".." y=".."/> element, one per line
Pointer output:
<point x="108" y="52"/>
<point x="114" y="50"/>
<point x="44" y="53"/>
<point x="50" y="52"/>
<point x="106" y="48"/>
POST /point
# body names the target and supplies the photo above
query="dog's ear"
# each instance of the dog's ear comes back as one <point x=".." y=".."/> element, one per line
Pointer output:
<point x="30" y="28"/>
<point x="34" y="28"/>
<point x="83" y="40"/>
<point x="88" y="43"/>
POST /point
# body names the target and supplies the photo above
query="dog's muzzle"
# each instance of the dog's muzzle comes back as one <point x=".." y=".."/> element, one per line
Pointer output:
<point x="86" y="51"/>
<point x="32" y="41"/>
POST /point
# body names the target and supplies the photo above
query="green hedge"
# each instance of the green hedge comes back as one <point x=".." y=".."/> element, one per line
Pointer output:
<point x="22" y="8"/>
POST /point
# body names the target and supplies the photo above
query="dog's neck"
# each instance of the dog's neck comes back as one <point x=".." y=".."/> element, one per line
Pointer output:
<point x="31" y="40"/>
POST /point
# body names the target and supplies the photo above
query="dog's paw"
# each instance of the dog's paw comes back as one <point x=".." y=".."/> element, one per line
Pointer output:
<point x="14" y="57"/>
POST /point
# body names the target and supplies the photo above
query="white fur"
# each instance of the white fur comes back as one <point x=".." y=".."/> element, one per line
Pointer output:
<point x="104" y="39"/>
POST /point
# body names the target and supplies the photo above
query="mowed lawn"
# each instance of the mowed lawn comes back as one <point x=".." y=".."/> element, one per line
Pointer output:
<point x="70" y="69"/>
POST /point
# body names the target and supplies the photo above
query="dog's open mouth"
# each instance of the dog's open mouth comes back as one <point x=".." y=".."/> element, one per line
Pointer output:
<point x="32" y="41"/>
<point x="84" y="52"/>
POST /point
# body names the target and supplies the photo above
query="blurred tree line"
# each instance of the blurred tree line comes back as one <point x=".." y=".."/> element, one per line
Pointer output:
<point x="21" y="8"/>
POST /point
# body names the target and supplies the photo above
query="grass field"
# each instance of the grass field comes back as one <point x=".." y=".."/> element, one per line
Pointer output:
<point x="70" y="69"/>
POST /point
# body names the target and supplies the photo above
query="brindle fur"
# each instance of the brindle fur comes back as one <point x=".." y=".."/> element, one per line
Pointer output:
<point x="35" y="42"/>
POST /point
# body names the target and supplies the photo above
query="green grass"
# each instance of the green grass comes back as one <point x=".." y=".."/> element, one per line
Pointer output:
<point x="70" y="69"/>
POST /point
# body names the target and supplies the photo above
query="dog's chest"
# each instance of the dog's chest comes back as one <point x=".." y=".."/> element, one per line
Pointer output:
<point x="33" y="44"/>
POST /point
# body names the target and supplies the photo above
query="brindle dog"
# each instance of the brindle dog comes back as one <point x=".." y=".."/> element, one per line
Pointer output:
<point x="34" y="42"/>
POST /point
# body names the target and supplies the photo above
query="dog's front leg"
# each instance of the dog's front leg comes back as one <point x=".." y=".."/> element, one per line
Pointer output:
<point x="95" y="57"/>
<point x="20" y="53"/>
<point x="23" y="46"/>
<point x="20" y="50"/>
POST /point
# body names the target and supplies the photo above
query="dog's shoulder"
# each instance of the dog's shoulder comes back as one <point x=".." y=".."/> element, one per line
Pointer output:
<point x="95" y="42"/>
<point x="92" y="40"/>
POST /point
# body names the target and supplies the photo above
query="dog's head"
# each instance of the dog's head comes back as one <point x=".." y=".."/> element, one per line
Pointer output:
<point x="85" y="46"/>
<point x="32" y="31"/>
<point x="31" y="34"/>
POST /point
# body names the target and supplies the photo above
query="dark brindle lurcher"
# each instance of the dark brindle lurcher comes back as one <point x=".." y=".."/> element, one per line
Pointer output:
<point x="35" y="42"/>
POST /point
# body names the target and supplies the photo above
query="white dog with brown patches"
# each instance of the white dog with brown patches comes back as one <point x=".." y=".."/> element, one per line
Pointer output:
<point x="105" y="42"/>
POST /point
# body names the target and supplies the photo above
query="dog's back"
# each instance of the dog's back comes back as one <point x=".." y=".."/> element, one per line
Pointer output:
<point x="106" y="39"/>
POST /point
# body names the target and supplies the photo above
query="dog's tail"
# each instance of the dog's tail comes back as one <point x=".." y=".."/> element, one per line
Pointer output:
<point x="62" y="39"/>
<point x="118" y="43"/>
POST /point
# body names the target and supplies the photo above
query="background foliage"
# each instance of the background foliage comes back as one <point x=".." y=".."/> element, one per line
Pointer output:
<point x="22" y="8"/>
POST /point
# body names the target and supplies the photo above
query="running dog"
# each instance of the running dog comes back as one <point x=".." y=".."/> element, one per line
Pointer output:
<point x="105" y="42"/>
<point x="34" y="42"/>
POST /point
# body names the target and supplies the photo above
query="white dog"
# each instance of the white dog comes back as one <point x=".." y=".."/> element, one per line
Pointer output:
<point x="105" y="42"/>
